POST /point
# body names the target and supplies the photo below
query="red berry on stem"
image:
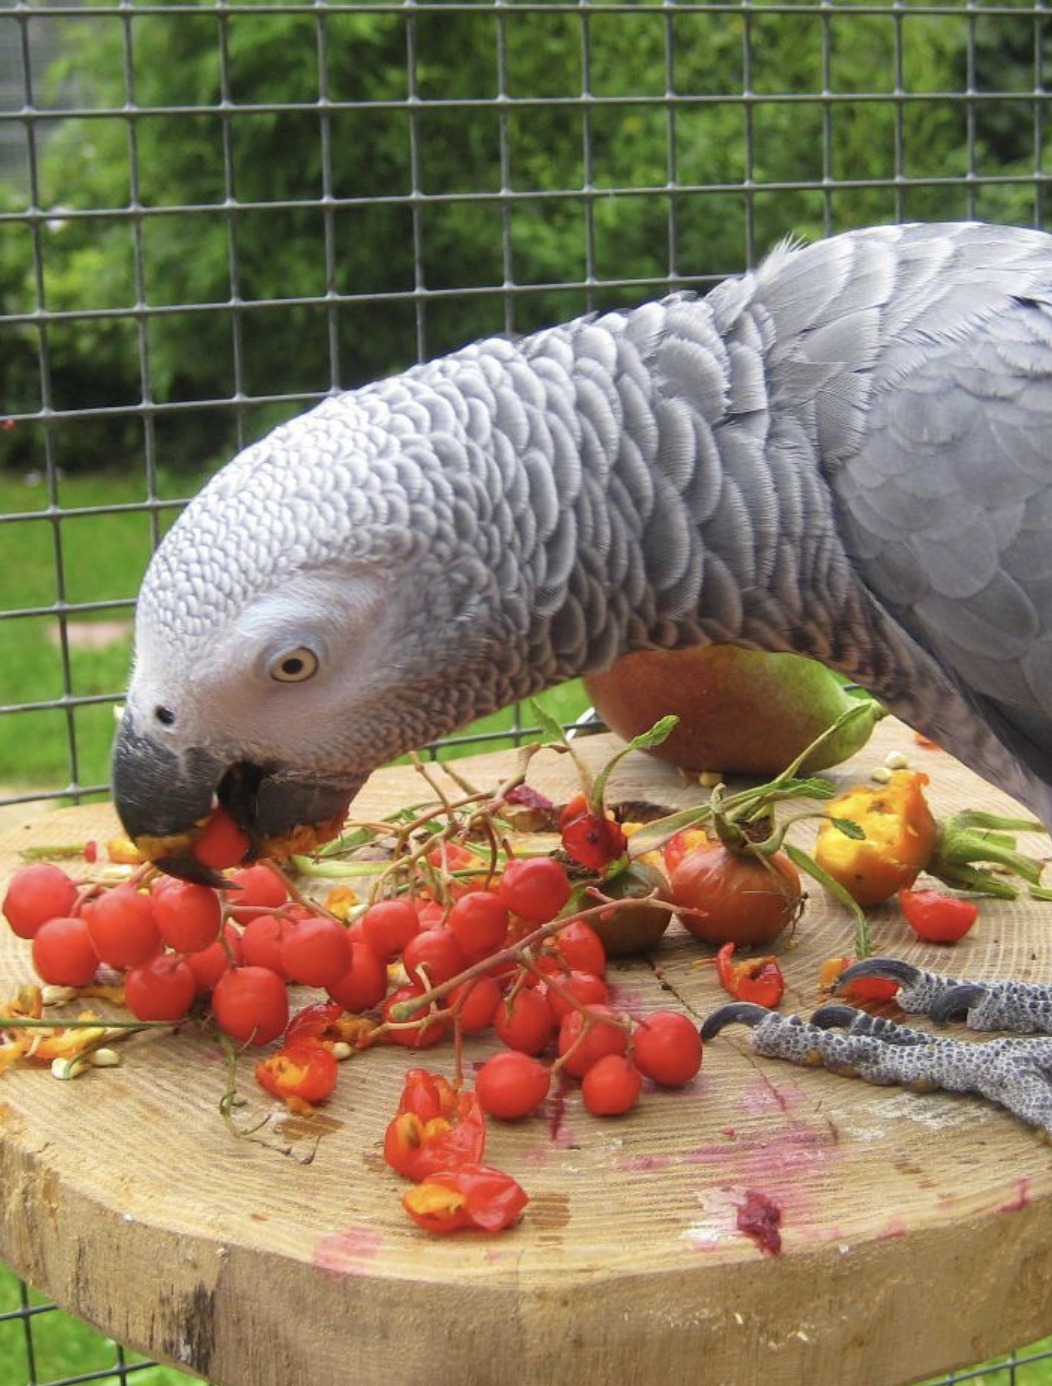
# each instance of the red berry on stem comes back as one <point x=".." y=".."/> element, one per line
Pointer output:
<point x="37" y="893"/>
<point x="480" y="1007"/>
<point x="388" y="926"/>
<point x="210" y="964"/>
<point x="258" y="887"/>
<point x="601" y="1039"/>
<point x="511" y="1085"/>
<point x="261" y="943"/>
<point x="364" y="984"/>
<point x="535" y="888"/>
<point x="161" y="989"/>
<point x="187" y="915"/>
<point x="417" y="1036"/>
<point x="526" y="1022"/>
<point x="479" y="922"/>
<point x="667" y="1048"/>
<point x="611" y="1086"/>
<point x="585" y="987"/>
<point x="581" y="948"/>
<point x="63" y="953"/>
<point x="251" y="1004"/>
<point x="315" y="951"/>
<point x="222" y="843"/>
<point x="122" y="926"/>
<point x="437" y="953"/>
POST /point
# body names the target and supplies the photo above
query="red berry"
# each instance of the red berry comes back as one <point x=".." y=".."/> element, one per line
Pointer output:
<point x="122" y="926"/>
<point x="261" y="943"/>
<point x="187" y="915"/>
<point x="526" y="1022"/>
<point x="251" y="1004"/>
<point x="666" y="1047"/>
<point x="258" y="887"/>
<point x="437" y="953"/>
<point x="37" y="893"/>
<point x="210" y="964"/>
<point x="511" y="1085"/>
<point x="611" y="1086"/>
<point x="389" y="925"/>
<point x="480" y="1007"/>
<point x="315" y="951"/>
<point x="594" y="841"/>
<point x="161" y="989"/>
<point x="364" y="984"/>
<point x="601" y="1039"/>
<point x="585" y="986"/>
<point x="418" y="1036"/>
<point x="222" y="843"/>
<point x="581" y="948"/>
<point x="479" y="922"/>
<point x="63" y="953"/>
<point x="430" y="914"/>
<point x="535" y="888"/>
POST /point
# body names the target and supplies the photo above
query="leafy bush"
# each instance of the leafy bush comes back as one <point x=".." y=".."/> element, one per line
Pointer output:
<point x="231" y="259"/>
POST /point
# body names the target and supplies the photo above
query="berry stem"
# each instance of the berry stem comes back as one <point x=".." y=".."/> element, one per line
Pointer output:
<point x="513" y="953"/>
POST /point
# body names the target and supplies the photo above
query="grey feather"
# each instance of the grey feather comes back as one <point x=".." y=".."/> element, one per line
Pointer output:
<point x="847" y="452"/>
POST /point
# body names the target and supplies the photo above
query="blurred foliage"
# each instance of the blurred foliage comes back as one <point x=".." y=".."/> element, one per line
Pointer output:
<point x="273" y="239"/>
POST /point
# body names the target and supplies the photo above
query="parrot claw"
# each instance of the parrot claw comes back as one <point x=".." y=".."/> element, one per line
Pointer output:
<point x="734" y="1013"/>
<point x="956" y="1002"/>
<point x="888" y="969"/>
<point x="1014" y="1073"/>
<point x="1023" y="1008"/>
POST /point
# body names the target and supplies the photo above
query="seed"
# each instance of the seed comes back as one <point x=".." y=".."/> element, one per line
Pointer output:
<point x="54" y="996"/>
<point x="709" y="779"/>
<point x="341" y="1051"/>
<point x="895" y="760"/>
<point x="881" y="774"/>
<point x="104" y="1058"/>
<point x="66" y="1068"/>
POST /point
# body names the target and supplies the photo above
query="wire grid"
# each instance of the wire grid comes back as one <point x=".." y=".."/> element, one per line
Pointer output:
<point x="517" y="293"/>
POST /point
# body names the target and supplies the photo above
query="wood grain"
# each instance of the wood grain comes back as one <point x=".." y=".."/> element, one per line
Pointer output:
<point x="917" y="1231"/>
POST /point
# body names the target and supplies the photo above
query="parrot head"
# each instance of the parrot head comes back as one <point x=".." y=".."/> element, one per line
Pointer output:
<point x="314" y="612"/>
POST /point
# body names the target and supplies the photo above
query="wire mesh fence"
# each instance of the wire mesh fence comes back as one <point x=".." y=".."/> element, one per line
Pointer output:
<point x="214" y="213"/>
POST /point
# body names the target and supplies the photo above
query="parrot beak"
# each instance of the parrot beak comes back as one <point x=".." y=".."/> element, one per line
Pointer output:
<point x="162" y="799"/>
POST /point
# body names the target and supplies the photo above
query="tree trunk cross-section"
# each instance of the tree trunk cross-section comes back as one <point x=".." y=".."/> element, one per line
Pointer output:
<point x="916" y="1230"/>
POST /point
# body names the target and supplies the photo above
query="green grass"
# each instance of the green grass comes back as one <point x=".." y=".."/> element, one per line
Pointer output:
<point x="64" y="1346"/>
<point x="103" y="558"/>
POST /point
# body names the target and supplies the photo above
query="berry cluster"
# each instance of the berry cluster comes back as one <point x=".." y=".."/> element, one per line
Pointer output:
<point x="459" y="939"/>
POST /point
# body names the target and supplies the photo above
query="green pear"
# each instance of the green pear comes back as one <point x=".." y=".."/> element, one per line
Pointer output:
<point x="740" y="711"/>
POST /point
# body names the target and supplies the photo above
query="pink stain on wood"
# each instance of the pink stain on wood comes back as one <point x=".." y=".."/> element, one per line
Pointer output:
<point x="894" y="1227"/>
<point x="644" y="1163"/>
<point x="348" y="1252"/>
<point x="1021" y="1199"/>
<point x="765" y="1096"/>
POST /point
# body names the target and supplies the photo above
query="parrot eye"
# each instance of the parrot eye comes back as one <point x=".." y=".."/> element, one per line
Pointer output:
<point x="295" y="666"/>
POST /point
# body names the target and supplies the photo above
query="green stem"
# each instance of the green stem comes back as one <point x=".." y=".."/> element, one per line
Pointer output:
<point x="807" y="863"/>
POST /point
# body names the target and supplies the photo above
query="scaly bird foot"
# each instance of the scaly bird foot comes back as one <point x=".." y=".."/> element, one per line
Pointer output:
<point x="1014" y="1073"/>
<point x="1022" y="1008"/>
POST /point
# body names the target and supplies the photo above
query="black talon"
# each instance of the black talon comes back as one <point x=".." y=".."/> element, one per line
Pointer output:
<point x="891" y="969"/>
<point x="835" y="1017"/>
<point x="956" y="1001"/>
<point x="735" y="1013"/>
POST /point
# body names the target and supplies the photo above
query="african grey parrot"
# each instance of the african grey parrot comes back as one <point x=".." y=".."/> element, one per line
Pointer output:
<point x="846" y="453"/>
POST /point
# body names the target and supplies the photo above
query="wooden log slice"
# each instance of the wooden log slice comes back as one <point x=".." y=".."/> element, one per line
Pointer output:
<point x="916" y="1230"/>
